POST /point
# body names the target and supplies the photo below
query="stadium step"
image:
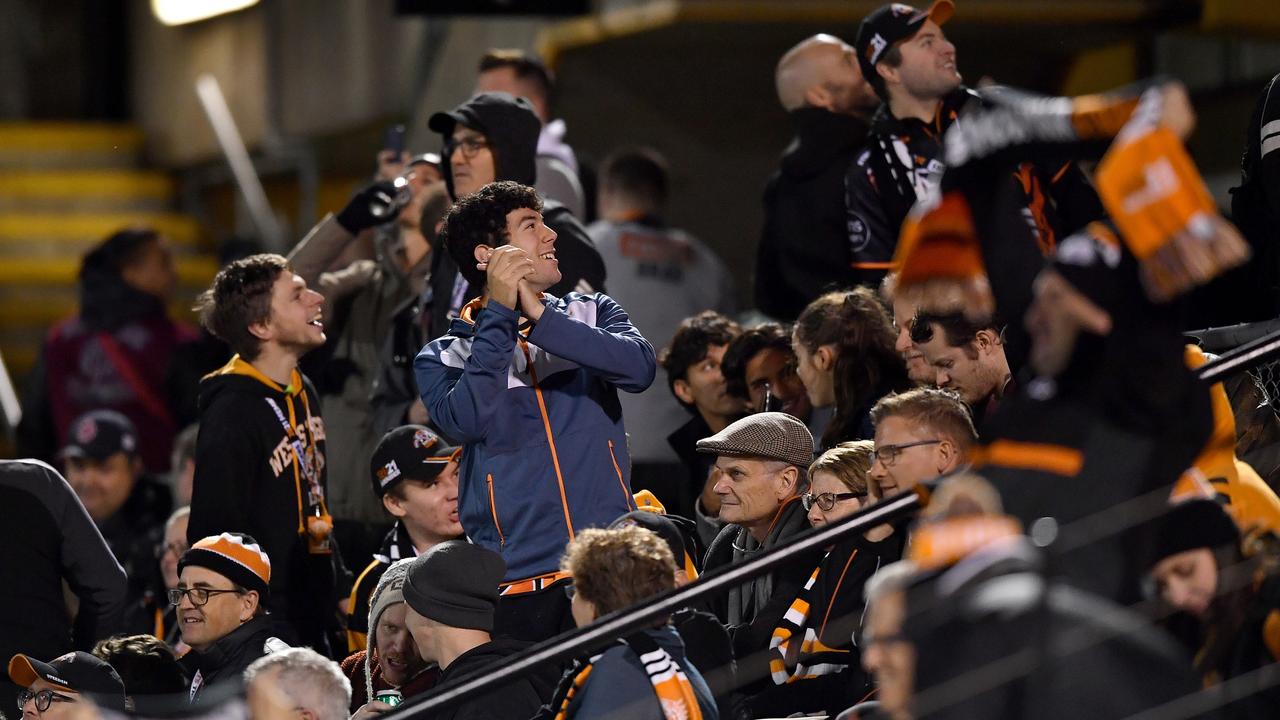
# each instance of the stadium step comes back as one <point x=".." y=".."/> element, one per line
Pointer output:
<point x="64" y="187"/>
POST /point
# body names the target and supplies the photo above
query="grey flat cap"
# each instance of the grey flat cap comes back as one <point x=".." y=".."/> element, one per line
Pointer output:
<point x="766" y="435"/>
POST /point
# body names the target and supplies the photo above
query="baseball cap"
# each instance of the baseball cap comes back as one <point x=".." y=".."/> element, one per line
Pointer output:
<point x="766" y="435"/>
<point x="665" y="528"/>
<point x="409" y="451"/>
<point x="99" y="434"/>
<point x="891" y="24"/>
<point x="485" y="112"/>
<point x="76" y="671"/>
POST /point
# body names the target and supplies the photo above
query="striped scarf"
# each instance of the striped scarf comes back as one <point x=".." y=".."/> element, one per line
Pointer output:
<point x="791" y="661"/>
<point x="675" y="693"/>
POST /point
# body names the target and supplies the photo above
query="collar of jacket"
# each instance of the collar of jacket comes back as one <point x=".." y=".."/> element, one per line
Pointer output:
<point x="239" y="366"/>
<point x="788" y="521"/>
<point x="821" y="137"/>
<point x="228" y="647"/>
<point x="885" y="123"/>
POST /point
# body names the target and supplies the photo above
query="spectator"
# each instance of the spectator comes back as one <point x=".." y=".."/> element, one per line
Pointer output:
<point x="452" y="594"/>
<point x="661" y="275"/>
<point x="221" y="597"/>
<point x="692" y="363"/>
<point x="1201" y="565"/>
<point x="967" y="357"/>
<point x="359" y="299"/>
<point x="838" y="482"/>
<point x="415" y="474"/>
<point x="165" y="613"/>
<point x="49" y="539"/>
<point x="129" y="507"/>
<point x="561" y="177"/>
<point x="273" y="485"/>
<point x="760" y="465"/>
<point x="886" y="653"/>
<point x="759" y="367"/>
<point x="114" y="354"/>
<point x="394" y="396"/>
<point x="804" y="248"/>
<point x="920" y="434"/>
<point x="147" y="667"/>
<point x="843" y="344"/>
<point x="296" y="680"/>
<point x="182" y="468"/>
<point x="647" y="675"/>
<point x="53" y="688"/>
<point x="493" y="136"/>
<point x="552" y="395"/>
<point x="904" y="311"/>
<point x="390" y="659"/>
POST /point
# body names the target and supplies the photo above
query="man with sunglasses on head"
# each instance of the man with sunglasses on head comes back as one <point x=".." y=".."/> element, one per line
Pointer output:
<point x="221" y="599"/>
<point x="920" y="434"/>
<point x="53" y="689"/>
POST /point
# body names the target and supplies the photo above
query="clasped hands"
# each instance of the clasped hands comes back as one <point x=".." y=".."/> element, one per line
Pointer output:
<point x="508" y="270"/>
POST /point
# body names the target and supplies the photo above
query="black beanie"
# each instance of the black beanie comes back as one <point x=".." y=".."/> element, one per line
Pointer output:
<point x="1192" y="524"/>
<point x="456" y="583"/>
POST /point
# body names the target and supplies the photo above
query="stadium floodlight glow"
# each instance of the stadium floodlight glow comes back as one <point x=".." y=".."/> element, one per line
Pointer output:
<point x="181" y="12"/>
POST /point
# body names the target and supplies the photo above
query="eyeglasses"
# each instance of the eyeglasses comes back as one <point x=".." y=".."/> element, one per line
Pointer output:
<point x="43" y="699"/>
<point x="199" y="596"/>
<point x="887" y="455"/>
<point x="826" y="501"/>
<point x="469" y="146"/>
<point x="570" y="591"/>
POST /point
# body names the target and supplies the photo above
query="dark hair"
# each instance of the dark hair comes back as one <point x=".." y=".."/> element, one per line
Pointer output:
<point x="434" y="207"/>
<point x="526" y="67"/>
<point x="866" y="362"/>
<point x="957" y="330"/>
<point x="746" y="346"/>
<point x="638" y="173"/>
<point x="240" y="296"/>
<point x="117" y="252"/>
<point x="146" y="665"/>
<point x="481" y="219"/>
<point x="689" y="346"/>
<point x="893" y="58"/>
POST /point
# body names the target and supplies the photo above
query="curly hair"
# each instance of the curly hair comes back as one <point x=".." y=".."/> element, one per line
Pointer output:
<point x="615" y="569"/>
<point x="240" y="296"/>
<point x="857" y="324"/>
<point x="849" y="462"/>
<point x="746" y="346"/>
<point x="146" y="665"/>
<point x="690" y="344"/>
<point x="481" y="219"/>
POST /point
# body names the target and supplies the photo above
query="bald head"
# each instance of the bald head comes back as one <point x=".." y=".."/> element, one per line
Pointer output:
<point x="822" y="72"/>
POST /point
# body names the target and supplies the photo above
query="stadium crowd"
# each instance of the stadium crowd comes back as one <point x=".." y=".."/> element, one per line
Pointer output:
<point x="365" y="478"/>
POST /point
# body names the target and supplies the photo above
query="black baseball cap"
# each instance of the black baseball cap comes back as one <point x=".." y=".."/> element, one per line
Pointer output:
<point x="890" y="24"/>
<point x="99" y="434"/>
<point x="486" y="112"/>
<point x="409" y="451"/>
<point x="76" y="671"/>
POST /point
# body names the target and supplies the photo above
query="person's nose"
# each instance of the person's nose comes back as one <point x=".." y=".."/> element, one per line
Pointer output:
<point x="878" y="469"/>
<point x="549" y="236"/>
<point x="903" y="343"/>
<point x="815" y="515"/>
<point x="943" y="379"/>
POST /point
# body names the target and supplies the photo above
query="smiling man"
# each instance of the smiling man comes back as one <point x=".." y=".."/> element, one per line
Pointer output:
<point x="53" y="690"/>
<point x="920" y="434"/>
<point x="260" y="454"/>
<point x="528" y="383"/>
<point x="223" y="584"/>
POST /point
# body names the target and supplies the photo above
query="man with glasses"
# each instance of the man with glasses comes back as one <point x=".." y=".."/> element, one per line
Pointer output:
<point x="494" y="136"/>
<point x="920" y="434"/>
<point x="221" y="598"/>
<point x="53" y="689"/>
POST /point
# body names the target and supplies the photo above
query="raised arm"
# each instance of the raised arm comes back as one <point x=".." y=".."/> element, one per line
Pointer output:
<point x="612" y="346"/>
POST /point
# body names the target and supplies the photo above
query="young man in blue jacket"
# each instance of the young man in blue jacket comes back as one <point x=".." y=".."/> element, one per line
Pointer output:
<point x="528" y="383"/>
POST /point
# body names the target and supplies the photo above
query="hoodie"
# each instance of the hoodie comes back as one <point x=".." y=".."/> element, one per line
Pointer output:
<point x="248" y="479"/>
<point x="512" y="129"/>
<point x="521" y="698"/>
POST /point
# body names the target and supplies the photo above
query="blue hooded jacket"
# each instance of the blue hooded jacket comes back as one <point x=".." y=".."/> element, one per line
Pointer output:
<point x="536" y="409"/>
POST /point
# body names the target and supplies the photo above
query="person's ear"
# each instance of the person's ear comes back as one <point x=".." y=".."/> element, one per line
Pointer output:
<point x="683" y="392"/>
<point x="262" y="330"/>
<point x="482" y="253"/>
<point x="787" y="481"/>
<point x="984" y="341"/>
<point x="888" y="74"/>
<point x="394" y="505"/>
<point x="947" y="454"/>
<point x="135" y="466"/>
<point x="248" y="605"/>
<point x="824" y="358"/>
<point x="817" y="96"/>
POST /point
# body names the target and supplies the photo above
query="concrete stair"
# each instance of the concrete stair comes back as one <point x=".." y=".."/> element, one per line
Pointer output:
<point x="64" y="187"/>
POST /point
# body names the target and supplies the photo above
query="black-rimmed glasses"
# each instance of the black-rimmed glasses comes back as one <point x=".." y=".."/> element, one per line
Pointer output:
<point x="826" y="501"/>
<point x="470" y="146"/>
<point x="888" y="454"/>
<point x="199" y="596"/>
<point x="43" y="698"/>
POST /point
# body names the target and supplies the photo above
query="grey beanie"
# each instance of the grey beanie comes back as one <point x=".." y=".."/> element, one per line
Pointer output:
<point x="456" y="583"/>
<point x="386" y="593"/>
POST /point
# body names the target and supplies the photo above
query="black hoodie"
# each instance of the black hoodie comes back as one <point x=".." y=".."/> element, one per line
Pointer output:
<point x="521" y="698"/>
<point x="247" y="480"/>
<point x="511" y="128"/>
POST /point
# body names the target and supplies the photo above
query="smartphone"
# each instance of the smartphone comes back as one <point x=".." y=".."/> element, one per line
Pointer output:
<point x="394" y="139"/>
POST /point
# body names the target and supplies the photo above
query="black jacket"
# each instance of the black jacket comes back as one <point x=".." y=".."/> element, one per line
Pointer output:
<point x="523" y="698"/>
<point x="226" y="659"/>
<point x="698" y="465"/>
<point x="133" y="533"/>
<point x="804" y="249"/>
<point x="247" y="480"/>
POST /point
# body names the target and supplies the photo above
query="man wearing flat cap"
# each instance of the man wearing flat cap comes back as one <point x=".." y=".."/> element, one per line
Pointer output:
<point x="760" y="473"/>
<point x="51" y="690"/>
<point x="452" y="592"/>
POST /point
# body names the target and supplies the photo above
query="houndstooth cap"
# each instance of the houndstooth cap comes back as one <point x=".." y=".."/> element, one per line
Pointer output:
<point x="766" y="435"/>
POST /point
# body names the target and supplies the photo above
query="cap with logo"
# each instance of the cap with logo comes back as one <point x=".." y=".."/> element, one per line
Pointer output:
<point x="409" y="451"/>
<point x="76" y="671"/>
<point x="99" y="434"/>
<point x="891" y="24"/>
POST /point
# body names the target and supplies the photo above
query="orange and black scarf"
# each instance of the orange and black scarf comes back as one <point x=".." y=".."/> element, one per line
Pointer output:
<point x="674" y="691"/>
